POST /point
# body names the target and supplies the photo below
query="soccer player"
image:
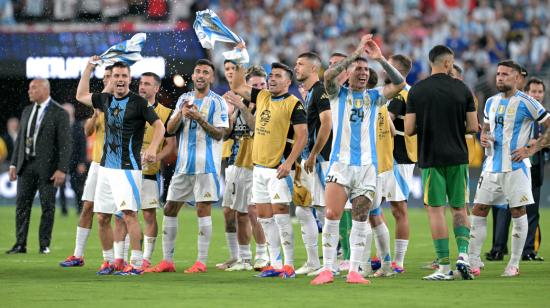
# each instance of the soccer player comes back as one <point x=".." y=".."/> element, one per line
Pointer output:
<point x="506" y="178"/>
<point x="93" y="125"/>
<point x="352" y="171"/>
<point x="238" y="209"/>
<point x="397" y="184"/>
<point x="280" y="135"/>
<point x="316" y="154"/>
<point x="119" y="176"/>
<point x="149" y="86"/>
<point x="201" y="119"/>
<point x="440" y="110"/>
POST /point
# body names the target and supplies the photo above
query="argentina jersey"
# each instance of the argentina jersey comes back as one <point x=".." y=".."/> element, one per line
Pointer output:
<point x="198" y="153"/>
<point x="354" y="126"/>
<point x="510" y="121"/>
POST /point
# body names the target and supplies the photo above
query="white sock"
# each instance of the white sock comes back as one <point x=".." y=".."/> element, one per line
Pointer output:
<point x="232" y="245"/>
<point x="478" y="233"/>
<point x="108" y="255"/>
<point x="400" y="249"/>
<point x="169" y="231"/>
<point x="519" y="234"/>
<point x="287" y="236"/>
<point x="137" y="258"/>
<point x="320" y="211"/>
<point x="309" y="234"/>
<point x="126" y="246"/>
<point x="357" y="241"/>
<point x="203" y="241"/>
<point x="82" y="235"/>
<point x="148" y="247"/>
<point x="273" y="241"/>
<point x="118" y="248"/>
<point x="244" y="252"/>
<point x="365" y="260"/>
<point x="261" y="252"/>
<point x="383" y="237"/>
<point x="330" y="242"/>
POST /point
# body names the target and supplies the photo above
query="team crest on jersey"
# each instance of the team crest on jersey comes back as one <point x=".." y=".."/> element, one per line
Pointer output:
<point x="265" y="116"/>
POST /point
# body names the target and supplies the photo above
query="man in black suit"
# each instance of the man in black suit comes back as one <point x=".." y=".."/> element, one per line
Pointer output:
<point x="40" y="161"/>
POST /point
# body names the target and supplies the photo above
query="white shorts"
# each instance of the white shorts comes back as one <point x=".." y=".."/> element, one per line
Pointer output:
<point x="238" y="188"/>
<point x="397" y="183"/>
<point x="512" y="188"/>
<point x="204" y="187"/>
<point x="267" y="188"/>
<point x="91" y="182"/>
<point x="149" y="194"/>
<point x="117" y="190"/>
<point x="357" y="180"/>
<point x="319" y="183"/>
<point x="381" y="189"/>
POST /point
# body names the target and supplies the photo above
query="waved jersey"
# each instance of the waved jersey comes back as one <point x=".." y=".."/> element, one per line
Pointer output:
<point x="511" y="122"/>
<point x="198" y="153"/>
<point x="354" y="126"/>
<point x="99" y="139"/>
<point x="384" y="140"/>
<point x="124" y="126"/>
<point x="164" y="114"/>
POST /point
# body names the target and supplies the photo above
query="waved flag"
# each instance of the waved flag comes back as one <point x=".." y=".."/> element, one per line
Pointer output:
<point x="128" y="51"/>
<point x="210" y="29"/>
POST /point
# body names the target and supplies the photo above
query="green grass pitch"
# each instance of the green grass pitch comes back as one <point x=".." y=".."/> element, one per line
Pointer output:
<point x="34" y="280"/>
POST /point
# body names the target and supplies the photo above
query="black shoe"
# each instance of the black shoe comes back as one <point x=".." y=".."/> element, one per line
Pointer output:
<point x="531" y="257"/>
<point x="494" y="256"/>
<point x="44" y="250"/>
<point x="17" y="249"/>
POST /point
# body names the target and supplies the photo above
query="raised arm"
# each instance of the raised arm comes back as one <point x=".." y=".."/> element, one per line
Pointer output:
<point x="331" y="75"/>
<point x="239" y="85"/>
<point x="83" y="94"/>
<point x="237" y="101"/>
<point x="397" y="81"/>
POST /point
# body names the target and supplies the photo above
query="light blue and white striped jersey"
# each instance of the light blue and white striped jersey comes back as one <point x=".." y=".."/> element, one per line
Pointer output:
<point x="511" y="125"/>
<point x="198" y="152"/>
<point x="354" y="126"/>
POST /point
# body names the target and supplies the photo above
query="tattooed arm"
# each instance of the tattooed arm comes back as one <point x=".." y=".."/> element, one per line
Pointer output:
<point x="331" y="75"/>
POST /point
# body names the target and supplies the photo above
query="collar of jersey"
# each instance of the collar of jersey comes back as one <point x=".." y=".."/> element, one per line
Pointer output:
<point x="280" y="97"/>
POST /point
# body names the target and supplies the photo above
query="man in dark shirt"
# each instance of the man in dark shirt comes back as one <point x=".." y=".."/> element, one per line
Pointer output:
<point x="119" y="175"/>
<point x="310" y="177"/>
<point x="437" y="110"/>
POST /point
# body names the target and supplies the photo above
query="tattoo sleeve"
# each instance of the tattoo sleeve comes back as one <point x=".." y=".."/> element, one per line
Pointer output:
<point x="394" y="75"/>
<point x="331" y="82"/>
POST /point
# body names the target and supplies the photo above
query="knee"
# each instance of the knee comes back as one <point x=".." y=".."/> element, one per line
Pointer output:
<point x="203" y="210"/>
<point x="103" y="220"/>
<point x="242" y="218"/>
<point x="171" y="209"/>
<point x="332" y="214"/>
<point x="481" y="210"/>
<point x="399" y="210"/>
<point x="150" y="216"/>
<point x="518" y="211"/>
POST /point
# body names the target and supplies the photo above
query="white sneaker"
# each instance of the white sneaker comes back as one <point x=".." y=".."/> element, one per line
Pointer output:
<point x="227" y="264"/>
<point x="260" y="263"/>
<point x="384" y="271"/>
<point x="510" y="271"/>
<point x="318" y="271"/>
<point x="240" y="266"/>
<point x="437" y="275"/>
<point x="366" y="271"/>
<point x="306" y="269"/>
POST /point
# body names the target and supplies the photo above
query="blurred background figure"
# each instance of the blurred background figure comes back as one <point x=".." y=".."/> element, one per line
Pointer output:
<point x="77" y="164"/>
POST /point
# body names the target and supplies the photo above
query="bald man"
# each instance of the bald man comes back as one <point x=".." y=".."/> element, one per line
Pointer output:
<point x="40" y="161"/>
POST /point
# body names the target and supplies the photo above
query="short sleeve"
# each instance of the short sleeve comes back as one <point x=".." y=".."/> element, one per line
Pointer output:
<point x="298" y="115"/>
<point x="536" y="110"/>
<point x="323" y="102"/>
<point x="470" y="102"/>
<point x="148" y="112"/>
<point x="487" y="109"/>
<point x="254" y="95"/>
<point x="411" y="104"/>
<point x="99" y="100"/>
<point x="221" y="117"/>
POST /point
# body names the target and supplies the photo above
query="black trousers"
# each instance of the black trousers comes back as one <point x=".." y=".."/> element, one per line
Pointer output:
<point x="32" y="179"/>
<point x="77" y="181"/>
<point x="501" y="226"/>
